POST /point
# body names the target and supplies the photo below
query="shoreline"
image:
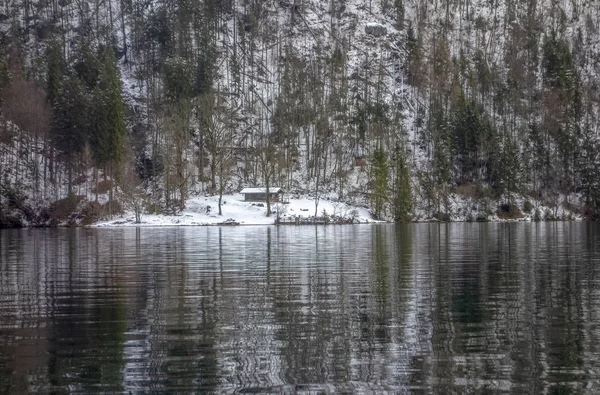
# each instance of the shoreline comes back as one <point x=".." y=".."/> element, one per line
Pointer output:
<point x="118" y="224"/>
<point x="298" y="211"/>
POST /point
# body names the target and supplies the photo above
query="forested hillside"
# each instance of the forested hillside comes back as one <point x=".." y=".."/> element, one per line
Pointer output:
<point x="417" y="108"/>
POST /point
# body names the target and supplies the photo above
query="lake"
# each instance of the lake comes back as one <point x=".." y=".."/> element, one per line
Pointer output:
<point x="507" y="307"/>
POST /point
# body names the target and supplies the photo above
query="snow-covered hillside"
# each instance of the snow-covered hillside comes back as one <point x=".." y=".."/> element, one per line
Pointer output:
<point x="491" y="106"/>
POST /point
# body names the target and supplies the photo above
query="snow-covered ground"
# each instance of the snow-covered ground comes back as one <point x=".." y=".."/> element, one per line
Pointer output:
<point x="203" y="210"/>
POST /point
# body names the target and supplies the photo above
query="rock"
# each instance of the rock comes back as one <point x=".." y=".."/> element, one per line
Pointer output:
<point x="375" y="29"/>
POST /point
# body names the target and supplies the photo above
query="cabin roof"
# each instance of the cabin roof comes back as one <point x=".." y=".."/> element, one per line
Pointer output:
<point x="261" y="190"/>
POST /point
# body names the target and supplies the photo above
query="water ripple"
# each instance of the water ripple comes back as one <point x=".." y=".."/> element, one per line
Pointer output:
<point x="368" y="309"/>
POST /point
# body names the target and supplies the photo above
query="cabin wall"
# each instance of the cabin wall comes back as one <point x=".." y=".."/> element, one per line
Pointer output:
<point x="261" y="197"/>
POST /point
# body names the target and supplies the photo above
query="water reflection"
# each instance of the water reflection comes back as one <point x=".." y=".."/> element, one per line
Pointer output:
<point x="449" y="308"/>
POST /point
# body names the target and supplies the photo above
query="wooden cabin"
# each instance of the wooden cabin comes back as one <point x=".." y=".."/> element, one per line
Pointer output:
<point x="260" y="194"/>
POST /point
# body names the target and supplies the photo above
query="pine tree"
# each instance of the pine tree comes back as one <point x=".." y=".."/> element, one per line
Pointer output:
<point x="109" y="129"/>
<point x="402" y="203"/>
<point x="399" y="13"/>
<point x="379" y="182"/>
<point x="588" y="170"/>
<point x="441" y="163"/>
<point x="4" y="73"/>
<point x="505" y="166"/>
<point x="471" y="129"/>
<point x="56" y="69"/>
<point x="70" y="121"/>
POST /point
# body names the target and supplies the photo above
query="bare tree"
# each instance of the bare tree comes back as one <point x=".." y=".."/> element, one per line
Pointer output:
<point x="217" y="119"/>
<point x="267" y="159"/>
<point x="132" y="191"/>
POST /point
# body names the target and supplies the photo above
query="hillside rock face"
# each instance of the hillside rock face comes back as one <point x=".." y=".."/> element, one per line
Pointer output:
<point x="375" y="30"/>
<point x="478" y="102"/>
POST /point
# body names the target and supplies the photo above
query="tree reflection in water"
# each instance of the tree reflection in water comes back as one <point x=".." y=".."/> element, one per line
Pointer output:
<point x="450" y="308"/>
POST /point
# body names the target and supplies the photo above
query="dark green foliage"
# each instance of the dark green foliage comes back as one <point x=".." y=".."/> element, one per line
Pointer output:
<point x="87" y="104"/>
<point x="368" y="115"/>
<point x="379" y="181"/>
<point x="563" y="110"/>
<point x="206" y="56"/>
<point x="4" y="72"/>
<point x="588" y="170"/>
<point x="509" y="211"/>
<point x="71" y="117"/>
<point x="559" y="70"/>
<point x="159" y="30"/>
<point x="399" y="13"/>
<point x="109" y="126"/>
<point x="56" y="69"/>
<point x="471" y="131"/>
<point x="337" y="59"/>
<point x="541" y="168"/>
<point x="505" y="166"/>
<point x="206" y="65"/>
<point x="441" y="128"/>
<point x="402" y="193"/>
<point x="414" y="55"/>
<point x="176" y="79"/>
<point x="87" y="66"/>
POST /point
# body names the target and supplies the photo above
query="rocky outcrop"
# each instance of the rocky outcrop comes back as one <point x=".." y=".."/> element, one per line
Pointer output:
<point x="375" y="29"/>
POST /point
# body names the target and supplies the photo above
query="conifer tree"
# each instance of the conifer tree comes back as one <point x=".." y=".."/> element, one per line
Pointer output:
<point x="70" y="121"/>
<point x="56" y="69"/>
<point x="399" y="13"/>
<point x="402" y="201"/>
<point x="379" y="181"/>
<point x="109" y="129"/>
<point x="588" y="169"/>
<point x="4" y="73"/>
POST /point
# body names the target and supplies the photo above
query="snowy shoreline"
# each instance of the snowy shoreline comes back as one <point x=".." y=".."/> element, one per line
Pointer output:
<point x="203" y="211"/>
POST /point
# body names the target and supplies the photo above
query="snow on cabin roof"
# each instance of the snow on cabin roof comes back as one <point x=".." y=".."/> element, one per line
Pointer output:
<point x="261" y="190"/>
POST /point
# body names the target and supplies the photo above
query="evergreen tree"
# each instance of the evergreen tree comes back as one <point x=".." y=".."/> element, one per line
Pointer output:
<point x="109" y="126"/>
<point x="471" y="129"/>
<point x="435" y="180"/>
<point x="505" y="166"/>
<point x="4" y="73"/>
<point x="87" y="65"/>
<point x="399" y="13"/>
<point x="588" y="169"/>
<point x="379" y="181"/>
<point x="56" y="69"/>
<point x="70" y="121"/>
<point x="402" y="202"/>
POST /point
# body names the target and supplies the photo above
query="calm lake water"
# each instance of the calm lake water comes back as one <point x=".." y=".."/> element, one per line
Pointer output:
<point x="417" y="308"/>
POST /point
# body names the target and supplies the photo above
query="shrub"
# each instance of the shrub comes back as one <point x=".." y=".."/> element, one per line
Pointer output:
<point x="509" y="211"/>
<point x="90" y="213"/>
<point x="64" y="208"/>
